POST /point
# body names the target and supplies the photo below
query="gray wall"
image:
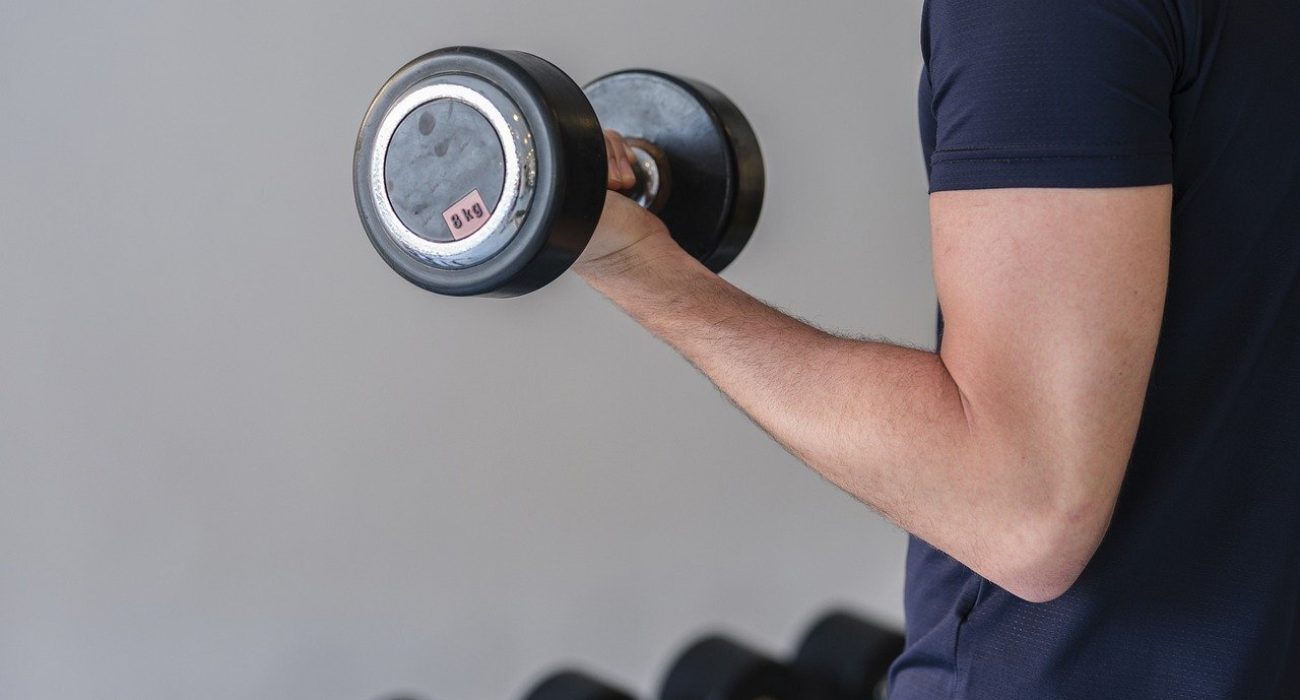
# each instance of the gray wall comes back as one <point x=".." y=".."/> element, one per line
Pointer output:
<point x="242" y="459"/>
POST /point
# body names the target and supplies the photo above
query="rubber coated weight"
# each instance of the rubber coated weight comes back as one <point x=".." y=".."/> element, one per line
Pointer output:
<point x="443" y="134"/>
<point x="719" y="668"/>
<point x="845" y="657"/>
<point x="712" y="155"/>
<point x="575" y="685"/>
<point x="482" y="173"/>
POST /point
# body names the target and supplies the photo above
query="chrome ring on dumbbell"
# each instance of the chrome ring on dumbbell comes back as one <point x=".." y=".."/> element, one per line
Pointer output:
<point x="478" y="230"/>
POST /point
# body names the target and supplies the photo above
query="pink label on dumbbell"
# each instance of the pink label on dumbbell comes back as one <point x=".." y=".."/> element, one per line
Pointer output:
<point x="467" y="216"/>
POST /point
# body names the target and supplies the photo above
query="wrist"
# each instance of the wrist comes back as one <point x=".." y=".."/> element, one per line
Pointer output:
<point x="655" y="247"/>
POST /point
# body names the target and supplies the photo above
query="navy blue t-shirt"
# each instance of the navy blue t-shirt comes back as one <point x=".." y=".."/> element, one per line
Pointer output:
<point x="1195" y="591"/>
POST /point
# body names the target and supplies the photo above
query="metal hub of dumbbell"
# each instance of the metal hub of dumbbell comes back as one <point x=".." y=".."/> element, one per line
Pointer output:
<point x="482" y="173"/>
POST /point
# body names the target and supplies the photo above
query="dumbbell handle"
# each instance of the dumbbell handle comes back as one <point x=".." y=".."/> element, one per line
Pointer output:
<point x="653" y="177"/>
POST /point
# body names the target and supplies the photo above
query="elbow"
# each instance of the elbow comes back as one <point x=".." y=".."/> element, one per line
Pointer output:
<point x="1045" y="559"/>
<point x="1042" y="582"/>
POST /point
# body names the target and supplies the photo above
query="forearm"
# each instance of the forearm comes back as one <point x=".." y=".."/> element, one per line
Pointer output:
<point x="885" y="423"/>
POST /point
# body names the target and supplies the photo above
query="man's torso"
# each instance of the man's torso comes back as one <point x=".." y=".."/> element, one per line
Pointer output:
<point x="1195" y="592"/>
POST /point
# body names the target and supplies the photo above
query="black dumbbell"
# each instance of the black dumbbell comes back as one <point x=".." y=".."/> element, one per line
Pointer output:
<point x="575" y="685"/>
<point x="845" y="657"/>
<point x="483" y="173"/>
<point x="564" y="685"/>
<point x="717" y="667"/>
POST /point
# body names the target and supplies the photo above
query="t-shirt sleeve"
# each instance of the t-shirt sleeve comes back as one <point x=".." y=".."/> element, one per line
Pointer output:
<point x="1049" y="93"/>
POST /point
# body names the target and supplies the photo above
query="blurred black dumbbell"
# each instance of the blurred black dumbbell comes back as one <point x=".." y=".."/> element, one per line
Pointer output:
<point x="575" y="685"/>
<point x="717" y="667"/>
<point x="563" y="685"/>
<point x="843" y="656"/>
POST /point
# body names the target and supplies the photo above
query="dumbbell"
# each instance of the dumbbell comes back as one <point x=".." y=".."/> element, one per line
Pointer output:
<point x="575" y="685"/>
<point x="717" y="667"/>
<point x="564" y="685"/>
<point x="840" y="657"/>
<point x="846" y="657"/>
<point x="483" y="173"/>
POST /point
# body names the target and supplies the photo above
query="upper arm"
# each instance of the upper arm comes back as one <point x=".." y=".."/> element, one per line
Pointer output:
<point x="1052" y="301"/>
<point x="1050" y="208"/>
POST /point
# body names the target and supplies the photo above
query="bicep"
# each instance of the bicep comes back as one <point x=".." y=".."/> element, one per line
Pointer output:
<point x="1052" y="302"/>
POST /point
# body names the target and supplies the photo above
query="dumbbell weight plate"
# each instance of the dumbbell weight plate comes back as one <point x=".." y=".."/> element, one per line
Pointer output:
<point x="713" y="156"/>
<point x="480" y="172"/>
<point x="575" y="685"/>
<point x="845" y="657"/>
<point x="718" y="668"/>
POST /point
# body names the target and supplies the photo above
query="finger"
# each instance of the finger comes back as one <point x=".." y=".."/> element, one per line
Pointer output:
<point x="631" y="160"/>
<point x="626" y="175"/>
<point x="624" y="161"/>
<point x="629" y="175"/>
<point x="615" y="139"/>
<point x="614" y="176"/>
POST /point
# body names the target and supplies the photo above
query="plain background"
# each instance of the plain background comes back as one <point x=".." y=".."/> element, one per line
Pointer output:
<point x="240" y="458"/>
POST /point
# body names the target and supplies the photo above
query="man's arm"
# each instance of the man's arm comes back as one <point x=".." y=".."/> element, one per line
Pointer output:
<point x="1006" y="450"/>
